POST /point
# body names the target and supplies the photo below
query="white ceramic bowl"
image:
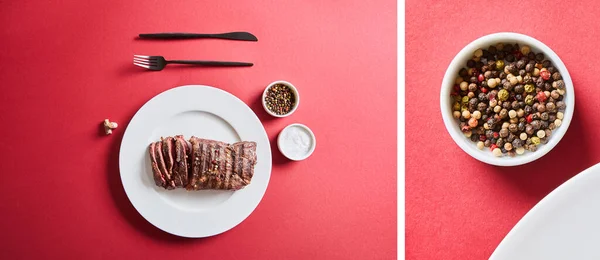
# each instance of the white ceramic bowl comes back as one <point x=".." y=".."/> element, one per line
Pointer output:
<point x="452" y="124"/>
<point x="294" y="90"/>
<point x="287" y="152"/>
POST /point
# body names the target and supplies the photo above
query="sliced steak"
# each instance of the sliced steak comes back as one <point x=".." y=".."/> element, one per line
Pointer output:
<point x="244" y="160"/>
<point x="207" y="154"/>
<point x="219" y="161"/>
<point x="228" y="167"/>
<point x="202" y="164"/>
<point x="168" y="151"/>
<point x="195" y="166"/>
<point x="180" y="167"/>
<point x="162" y="165"/>
<point x="159" y="178"/>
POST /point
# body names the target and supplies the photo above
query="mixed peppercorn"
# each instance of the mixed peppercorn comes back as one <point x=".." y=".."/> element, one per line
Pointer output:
<point x="508" y="99"/>
<point x="280" y="99"/>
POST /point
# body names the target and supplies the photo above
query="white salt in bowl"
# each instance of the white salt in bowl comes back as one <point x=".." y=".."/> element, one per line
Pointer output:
<point x="296" y="142"/>
<point x="452" y="125"/>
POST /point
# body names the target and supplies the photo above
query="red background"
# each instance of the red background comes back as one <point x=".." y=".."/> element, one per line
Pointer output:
<point x="456" y="206"/>
<point x="67" y="65"/>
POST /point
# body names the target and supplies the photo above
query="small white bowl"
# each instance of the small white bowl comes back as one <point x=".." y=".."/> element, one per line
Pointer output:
<point x="452" y="124"/>
<point x="294" y="90"/>
<point x="284" y="145"/>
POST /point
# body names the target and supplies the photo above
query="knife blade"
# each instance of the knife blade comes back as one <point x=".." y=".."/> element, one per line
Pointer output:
<point x="239" y="36"/>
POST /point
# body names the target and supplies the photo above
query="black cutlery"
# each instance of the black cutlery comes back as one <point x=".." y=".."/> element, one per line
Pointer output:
<point x="239" y="36"/>
<point x="159" y="62"/>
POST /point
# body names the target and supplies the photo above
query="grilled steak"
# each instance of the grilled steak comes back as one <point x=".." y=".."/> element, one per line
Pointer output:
<point x="180" y="167"/>
<point x="167" y="145"/>
<point x="159" y="178"/>
<point x="244" y="159"/>
<point x="203" y="164"/>
<point x="162" y="165"/>
<point x="221" y="166"/>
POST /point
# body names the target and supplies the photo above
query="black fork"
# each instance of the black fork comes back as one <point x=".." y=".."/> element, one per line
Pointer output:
<point x="159" y="62"/>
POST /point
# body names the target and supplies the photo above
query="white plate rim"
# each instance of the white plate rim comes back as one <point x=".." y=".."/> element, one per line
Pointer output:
<point x="544" y="206"/>
<point x="255" y="190"/>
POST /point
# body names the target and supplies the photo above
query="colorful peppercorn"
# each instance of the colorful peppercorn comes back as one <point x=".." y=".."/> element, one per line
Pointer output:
<point x="517" y="142"/>
<point x="456" y="114"/>
<point x="545" y="74"/>
<point x="492" y="83"/>
<point x="496" y="135"/>
<point x="557" y="122"/>
<point x="480" y="78"/>
<point x="464" y="86"/>
<point x="541" y="133"/>
<point x="466" y="114"/>
<point x="529" y="118"/>
<point x="541" y="97"/>
<point x="523" y="136"/>
<point x="529" y="88"/>
<point x="529" y="129"/>
<point x="503" y="132"/>
<point x="503" y="95"/>
<point x="468" y="133"/>
<point x="480" y="145"/>
<point x="473" y="122"/>
<point x="497" y="152"/>
<point x="532" y="147"/>
<point x="493" y="146"/>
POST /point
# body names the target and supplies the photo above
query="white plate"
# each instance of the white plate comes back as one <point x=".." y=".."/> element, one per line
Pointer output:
<point x="563" y="225"/>
<point x="204" y="112"/>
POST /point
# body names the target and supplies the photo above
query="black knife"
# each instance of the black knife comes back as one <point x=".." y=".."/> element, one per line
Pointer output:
<point x="239" y="36"/>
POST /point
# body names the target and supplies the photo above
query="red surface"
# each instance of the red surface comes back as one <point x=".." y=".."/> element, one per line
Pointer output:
<point x="460" y="208"/>
<point x="65" y="66"/>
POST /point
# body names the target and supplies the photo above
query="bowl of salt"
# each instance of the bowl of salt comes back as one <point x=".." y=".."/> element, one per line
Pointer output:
<point x="296" y="142"/>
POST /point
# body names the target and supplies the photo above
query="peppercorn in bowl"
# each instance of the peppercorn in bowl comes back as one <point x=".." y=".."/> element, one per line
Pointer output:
<point x="507" y="99"/>
<point x="280" y="98"/>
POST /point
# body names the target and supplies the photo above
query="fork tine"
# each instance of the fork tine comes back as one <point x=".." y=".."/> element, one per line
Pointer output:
<point x="141" y="61"/>
<point x="141" y="65"/>
<point x="142" y="56"/>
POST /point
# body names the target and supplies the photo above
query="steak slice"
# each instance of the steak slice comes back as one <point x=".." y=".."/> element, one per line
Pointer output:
<point x="168" y="151"/>
<point x="210" y="164"/>
<point x="159" y="178"/>
<point x="243" y="161"/>
<point x="206" y="158"/>
<point x="201" y="148"/>
<point x="195" y="165"/>
<point x="228" y="164"/>
<point x="162" y="165"/>
<point x="180" y="167"/>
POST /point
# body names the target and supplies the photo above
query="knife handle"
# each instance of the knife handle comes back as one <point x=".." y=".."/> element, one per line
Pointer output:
<point x="240" y="36"/>
<point x="212" y="63"/>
